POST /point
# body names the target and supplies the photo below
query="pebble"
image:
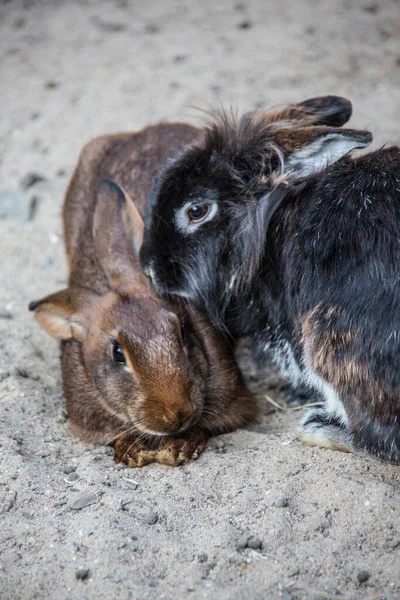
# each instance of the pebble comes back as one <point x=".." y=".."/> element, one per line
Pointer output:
<point x="5" y="313"/>
<point x="293" y="572"/>
<point x="51" y="84"/>
<point x="82" y="573"/>
<point x="14" y="204"/>
<point x="249" y="542"/>
<point x="84" y="498"/>
<point x="69" y="469"/>
<point x="363" y="576"/>
<point x="150" y="519"/>
<point x="202" y="557"/>
<point x="31" y="179"/>
<point x="394" y="502"/>
<point x="287" y="596"/>
<point x="281" y="502"/>
<point x="245" y="25"/>
<point x="321" y="524"/>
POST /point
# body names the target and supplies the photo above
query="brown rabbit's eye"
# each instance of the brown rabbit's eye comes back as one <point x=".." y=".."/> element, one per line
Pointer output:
<point x="117" y="354"/>
<point x="197" y="212"/>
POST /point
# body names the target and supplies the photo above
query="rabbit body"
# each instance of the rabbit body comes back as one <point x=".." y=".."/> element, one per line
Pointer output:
<point x="302" y="256"/>
<point x="148" y="374"/>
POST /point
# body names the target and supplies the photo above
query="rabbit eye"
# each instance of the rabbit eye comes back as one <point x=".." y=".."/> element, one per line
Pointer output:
<point x="197" y="212"/>
<point x="117" y="354"/>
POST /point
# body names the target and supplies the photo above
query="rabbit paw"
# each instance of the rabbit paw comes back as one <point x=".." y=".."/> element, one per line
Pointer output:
<point x="181" y="450"/>
<point x="320" y="428"/>
<point x="174" y="452"/>
<point x="133" y="453"/>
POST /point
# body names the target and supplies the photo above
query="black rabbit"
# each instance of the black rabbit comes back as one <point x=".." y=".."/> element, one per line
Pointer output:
<point x="253" y="225"/>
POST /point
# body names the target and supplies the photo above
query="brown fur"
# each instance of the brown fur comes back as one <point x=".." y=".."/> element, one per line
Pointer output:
<point x="166" y="383"/>
<point x="331" y="353"/>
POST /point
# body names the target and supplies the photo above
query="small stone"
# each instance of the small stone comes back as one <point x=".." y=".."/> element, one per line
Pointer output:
<point x="61" y="173"/>
<point x="363" y="576"/>
<point x="150" y="519"/>
<point x="389" y="525"/>
<point x="51" y="84"/>
<point x="179" y="58"/>
<point x="190" y="588"/>
<point x="281" y="502"/>
<point x="31" y="179"/>
<point x="5" y="313"/>
<point x="202" y="557"/>
<point x="84" y="498"/>
<point x="245" y="25"/>
<point x="248" y="542"/>
<point x="254" y="543"/>
<point x="242" y="543"/>
<point x="394" y="502"/>
<point x="17" y="437"/>
<point x="14" y="204"/>
<point x="73" y="477"/>
<point x="293" y="572"/>
<point x="286" y="596"/>
<point x="151" y="28"/>
<point x="82" y="573"/>
<point x="321" y="525"/>
<point x="371" y="7"/>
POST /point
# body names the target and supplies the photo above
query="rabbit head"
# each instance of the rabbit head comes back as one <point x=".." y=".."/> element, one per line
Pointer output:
<point x="211" y="207"/>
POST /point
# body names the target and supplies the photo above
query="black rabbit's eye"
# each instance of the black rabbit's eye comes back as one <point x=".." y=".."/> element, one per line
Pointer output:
<point x="197" y="211"/>
<point x="117" y="354"/>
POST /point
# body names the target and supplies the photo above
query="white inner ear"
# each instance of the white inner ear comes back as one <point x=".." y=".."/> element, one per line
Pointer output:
<point x="322" y="153"/>
<point x="185" y="225"/>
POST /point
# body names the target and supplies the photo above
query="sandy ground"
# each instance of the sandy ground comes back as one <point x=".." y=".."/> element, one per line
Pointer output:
<point x="70" y="70"/>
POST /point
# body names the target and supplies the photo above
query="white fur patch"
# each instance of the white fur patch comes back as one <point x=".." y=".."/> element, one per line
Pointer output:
<point x="283" y="357"/>
<point x="333" y="404"/>
<point x="322" y="152"/>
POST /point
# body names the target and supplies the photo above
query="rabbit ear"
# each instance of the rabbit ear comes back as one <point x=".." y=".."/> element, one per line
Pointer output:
<point x="56" y="314"/>
<point x="333" y="111"/>
<point x="136" y="224"/>
<point x="111" y="223"/>
<point x="312" y="149"/>
<point x="320" y="147"/>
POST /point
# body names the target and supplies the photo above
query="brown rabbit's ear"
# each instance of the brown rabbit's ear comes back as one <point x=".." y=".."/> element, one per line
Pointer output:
<point x="111" y="223"/>
<point x="57" y="316"/>
<point x="136" y="224"/>
<point x="312" y="149"/>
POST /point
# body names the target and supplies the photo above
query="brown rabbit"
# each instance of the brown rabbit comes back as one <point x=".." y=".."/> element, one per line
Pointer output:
<point x="151" y="376"/>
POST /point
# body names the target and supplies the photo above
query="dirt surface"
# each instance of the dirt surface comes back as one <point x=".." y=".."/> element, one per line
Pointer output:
<point x="327" y="525"/>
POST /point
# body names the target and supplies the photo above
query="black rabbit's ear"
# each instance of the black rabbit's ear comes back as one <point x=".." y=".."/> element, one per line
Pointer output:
<point x="333" y="111"/>
<point x="314" y="148"/>
<point x="330" y="111"/>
